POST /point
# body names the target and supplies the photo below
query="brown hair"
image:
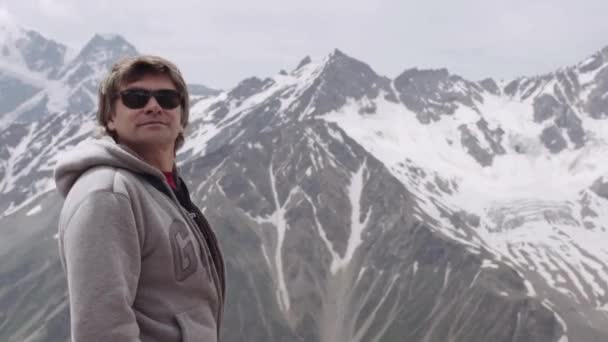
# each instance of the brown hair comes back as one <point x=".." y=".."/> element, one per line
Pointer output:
<point x="130" y="70"/>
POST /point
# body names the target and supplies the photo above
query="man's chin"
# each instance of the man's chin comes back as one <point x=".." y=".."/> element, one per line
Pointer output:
<point x="158" y="141"/>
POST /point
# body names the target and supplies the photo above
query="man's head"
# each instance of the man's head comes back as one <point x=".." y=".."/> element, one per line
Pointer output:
<point x="144" y="103"/>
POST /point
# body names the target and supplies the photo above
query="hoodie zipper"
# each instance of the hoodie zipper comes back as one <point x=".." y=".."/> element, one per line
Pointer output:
<point x="211" y="267"/>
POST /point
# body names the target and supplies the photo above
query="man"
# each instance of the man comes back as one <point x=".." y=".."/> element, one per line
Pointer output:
<point x="142" y="263"/>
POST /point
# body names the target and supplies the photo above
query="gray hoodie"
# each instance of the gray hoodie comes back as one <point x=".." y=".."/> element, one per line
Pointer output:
<point x="139" y="268"/>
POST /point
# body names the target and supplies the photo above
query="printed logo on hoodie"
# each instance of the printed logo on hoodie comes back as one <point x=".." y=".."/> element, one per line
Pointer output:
<point x="185" y="261"/>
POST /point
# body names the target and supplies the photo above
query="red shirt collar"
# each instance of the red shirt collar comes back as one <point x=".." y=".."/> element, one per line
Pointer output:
<point x="170" y="179"/>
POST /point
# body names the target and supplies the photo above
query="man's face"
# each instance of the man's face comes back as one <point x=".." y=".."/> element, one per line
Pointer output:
<point x="151" y="127"/>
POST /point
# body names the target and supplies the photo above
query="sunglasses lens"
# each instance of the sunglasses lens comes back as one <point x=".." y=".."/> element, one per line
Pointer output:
<point x="135" y="99"/>
<point x="168" y="98"/>
<point x="138" y="98"/>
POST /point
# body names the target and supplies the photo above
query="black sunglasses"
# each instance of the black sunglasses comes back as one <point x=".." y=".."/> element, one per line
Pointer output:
<point x="136" y="98"/>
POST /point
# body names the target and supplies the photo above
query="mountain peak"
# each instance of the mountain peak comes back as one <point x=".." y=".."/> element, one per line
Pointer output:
<point x="109" y="36"/>
<point x="98" y="55"/>
<point x="490" y="85"/>
<point x="340" y="60"/>
<point x="440" y="73"/>
<point x="28" y="49"/>
<point x="341" y="78"/>
<point x="202" y="90"/>
<point x="305" y="61"/>
<point x="87" y="69"/>
<point x="338" y="53"/>
<point x="107" y="43"/>
<point x="432" y="93"/>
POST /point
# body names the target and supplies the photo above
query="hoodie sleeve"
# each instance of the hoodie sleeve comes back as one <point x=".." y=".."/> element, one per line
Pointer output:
<point x="101" y="253"/>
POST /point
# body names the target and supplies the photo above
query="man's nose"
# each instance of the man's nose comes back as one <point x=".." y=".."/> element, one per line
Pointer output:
<point x="152" y="106"/>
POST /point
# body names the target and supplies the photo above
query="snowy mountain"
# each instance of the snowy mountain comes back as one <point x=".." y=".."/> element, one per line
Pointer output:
<point x="352" y="206"/>
<point x="28" y="61"/>
<point x="201" y="90"/>
<point x="37" y="79"/>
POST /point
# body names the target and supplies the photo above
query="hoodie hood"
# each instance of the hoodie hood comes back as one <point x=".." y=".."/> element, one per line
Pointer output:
<point x="95" y="152"/>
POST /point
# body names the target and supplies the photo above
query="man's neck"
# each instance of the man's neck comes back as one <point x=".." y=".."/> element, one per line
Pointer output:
<point x="161" y="158"/>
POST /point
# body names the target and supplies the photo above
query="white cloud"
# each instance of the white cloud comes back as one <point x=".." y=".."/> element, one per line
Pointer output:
<point x="56" y="8"/>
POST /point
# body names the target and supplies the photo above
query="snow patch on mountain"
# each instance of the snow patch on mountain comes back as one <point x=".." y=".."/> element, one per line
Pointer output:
<point x="357" y="226"/>
<point x="524" y="201"/>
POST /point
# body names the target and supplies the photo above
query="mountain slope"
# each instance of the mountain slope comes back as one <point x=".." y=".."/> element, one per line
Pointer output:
<point x="353" y="207"/>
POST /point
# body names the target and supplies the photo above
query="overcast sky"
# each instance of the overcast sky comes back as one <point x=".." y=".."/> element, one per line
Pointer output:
<point x="220" y="42"/>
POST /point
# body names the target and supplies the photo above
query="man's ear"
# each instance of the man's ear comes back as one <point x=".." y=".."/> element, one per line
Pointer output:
<point x="111" y="125"/>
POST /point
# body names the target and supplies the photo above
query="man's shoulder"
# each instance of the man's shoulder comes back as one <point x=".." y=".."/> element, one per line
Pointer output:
<point x="104" y="178"/>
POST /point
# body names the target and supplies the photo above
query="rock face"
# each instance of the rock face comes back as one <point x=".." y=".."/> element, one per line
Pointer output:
<point x="350" y="207"/>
